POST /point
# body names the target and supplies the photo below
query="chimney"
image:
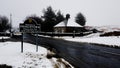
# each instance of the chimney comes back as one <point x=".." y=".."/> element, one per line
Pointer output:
<point x="66" y="20"/>
<point x="67" y="16"/>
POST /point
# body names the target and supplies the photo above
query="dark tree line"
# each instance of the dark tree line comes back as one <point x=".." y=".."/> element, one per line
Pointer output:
<point x="50" y="18"/>
<point x="4" y="24"/>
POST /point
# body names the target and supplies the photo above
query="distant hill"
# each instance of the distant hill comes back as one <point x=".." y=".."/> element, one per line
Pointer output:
<point x="106" y="30"/>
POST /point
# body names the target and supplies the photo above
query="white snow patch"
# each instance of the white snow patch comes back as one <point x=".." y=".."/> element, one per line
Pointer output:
<point x="4" y="37"/>
<point x="110" y="41"/>
<point x="10" y="54"/>
<point x="105" y="29"/>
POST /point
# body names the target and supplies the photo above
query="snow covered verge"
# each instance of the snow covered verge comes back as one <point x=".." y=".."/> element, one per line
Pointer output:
<point x="95" y="38"/>
<point x="10" y="54"/>
<point x="110" y="40"/>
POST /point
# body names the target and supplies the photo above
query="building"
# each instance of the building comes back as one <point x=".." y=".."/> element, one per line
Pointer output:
<point x="68" y="26"/>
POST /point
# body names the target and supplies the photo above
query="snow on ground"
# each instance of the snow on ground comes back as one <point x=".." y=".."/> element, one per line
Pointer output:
<point x="4" y="37"/>
<point x="108" y="28"/>
<point x="95" y="38"/>
<point x="10" y="54"/>
<point x="110" y="41"/>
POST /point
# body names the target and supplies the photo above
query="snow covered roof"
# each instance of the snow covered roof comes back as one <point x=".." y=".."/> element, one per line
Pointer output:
<point x="69" y="23"/>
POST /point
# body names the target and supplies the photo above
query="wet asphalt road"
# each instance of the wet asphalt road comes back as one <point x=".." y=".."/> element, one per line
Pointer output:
<point x="81" y="55"/>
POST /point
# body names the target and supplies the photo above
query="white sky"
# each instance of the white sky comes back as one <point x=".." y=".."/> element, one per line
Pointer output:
<point x="97" y="12"/>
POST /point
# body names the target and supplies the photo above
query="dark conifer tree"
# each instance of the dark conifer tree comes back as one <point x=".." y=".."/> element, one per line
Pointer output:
<point x="80" y="19"/>
<point x="49" y="19"/>
<point x="4" y="24"/>
<point x="59" y="17"/>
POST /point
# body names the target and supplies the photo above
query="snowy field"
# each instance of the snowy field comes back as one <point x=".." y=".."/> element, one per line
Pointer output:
<point x="10" y="54"/>
<point x="95" y="38"/>
<point x="110" y="41"/>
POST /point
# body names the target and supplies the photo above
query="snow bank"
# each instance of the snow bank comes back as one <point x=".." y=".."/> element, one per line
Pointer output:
<point x="110" y="41"/>
<point x="10" y="55"/>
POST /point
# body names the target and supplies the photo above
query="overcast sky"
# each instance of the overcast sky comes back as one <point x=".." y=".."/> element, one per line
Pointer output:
<point x="97" y="12"/>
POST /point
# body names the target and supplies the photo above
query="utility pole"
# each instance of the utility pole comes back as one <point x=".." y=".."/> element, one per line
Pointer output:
<point x="22" y="43"/>
<point x="10" y="25"/>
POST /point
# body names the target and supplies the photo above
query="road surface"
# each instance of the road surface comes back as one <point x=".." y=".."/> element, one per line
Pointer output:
<point x="81" y="55"/>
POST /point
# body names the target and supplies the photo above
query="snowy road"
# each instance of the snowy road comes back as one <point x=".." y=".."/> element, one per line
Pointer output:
<point x="82" y="55"/>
